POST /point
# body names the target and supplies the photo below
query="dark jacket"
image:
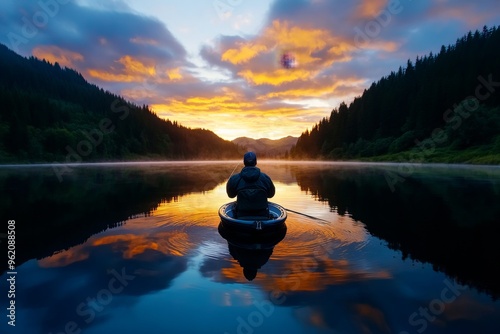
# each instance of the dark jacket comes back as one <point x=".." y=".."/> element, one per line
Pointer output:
<point x="249" y="181"/>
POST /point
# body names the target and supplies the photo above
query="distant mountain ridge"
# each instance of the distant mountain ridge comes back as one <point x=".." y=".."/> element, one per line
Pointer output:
<point x="270" y="148"/>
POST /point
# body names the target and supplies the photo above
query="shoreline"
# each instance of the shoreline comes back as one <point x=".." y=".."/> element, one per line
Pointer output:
<point x="361" y="162"/>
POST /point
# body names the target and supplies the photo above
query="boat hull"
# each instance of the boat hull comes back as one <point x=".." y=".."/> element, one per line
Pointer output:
<point x="249" y="239"/>
<point x="256" y="224"/>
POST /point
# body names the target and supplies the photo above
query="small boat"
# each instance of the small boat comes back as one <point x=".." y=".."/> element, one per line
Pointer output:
<point x="250" y="240"/>
<point x="256" y="224"/>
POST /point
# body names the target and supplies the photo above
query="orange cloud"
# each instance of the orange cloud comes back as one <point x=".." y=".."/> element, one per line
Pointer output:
<point x="168" y="243"/>
<point x="204" y="107"/>
<point x="298" y="97"/>
<point x="201" y="104"/>
<point x="245" y="53"/>
<point x="370" y="8"/>
<point x="276" y="77"/>
<point x="320" y="90"/>
<point x="281" y="33"/>
<point x="64" y="258"/>
<point x="174" y="74"/>
<point x="286" y="101"/>
<point x="109" y="76"/>
<point x="133" y="65"/>
<point x="55" y="54"/>
<point x="132" y="70"/>
<point x="306" y="44"/>
<point x="305" y="272"/>
<point x="294" y="277"/>
<point x="306" y="41"/>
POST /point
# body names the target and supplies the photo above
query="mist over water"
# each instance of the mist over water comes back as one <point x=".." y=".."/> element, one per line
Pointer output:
<point x="385" y="242"/>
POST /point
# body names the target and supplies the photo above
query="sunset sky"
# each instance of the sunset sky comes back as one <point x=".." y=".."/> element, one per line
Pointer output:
<point x="215" y="63"/>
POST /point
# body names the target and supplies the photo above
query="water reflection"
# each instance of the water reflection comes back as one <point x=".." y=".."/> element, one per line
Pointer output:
<point x="447" y="217"/>
<point x="251" y="252"/>
<point x="53" y="216"/>
<point x="157" y="229"/>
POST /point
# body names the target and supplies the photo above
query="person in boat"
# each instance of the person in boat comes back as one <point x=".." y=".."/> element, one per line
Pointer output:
<point x="252" y="189"/>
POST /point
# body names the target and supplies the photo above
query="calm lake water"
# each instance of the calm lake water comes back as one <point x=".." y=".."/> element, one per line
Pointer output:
<point x="136" y="249"/>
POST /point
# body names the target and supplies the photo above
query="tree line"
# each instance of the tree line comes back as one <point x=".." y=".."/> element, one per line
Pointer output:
<point x="49" y="112"/>
<point x="451" y="98"/>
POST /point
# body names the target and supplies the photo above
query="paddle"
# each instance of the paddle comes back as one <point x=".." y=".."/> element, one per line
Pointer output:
<point x="303" y="214"/>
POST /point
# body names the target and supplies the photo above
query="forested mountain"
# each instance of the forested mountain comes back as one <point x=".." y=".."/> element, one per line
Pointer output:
<point x="50" y="113"/>
<point x="441" y="107"/>
<point x="267" y="148"/>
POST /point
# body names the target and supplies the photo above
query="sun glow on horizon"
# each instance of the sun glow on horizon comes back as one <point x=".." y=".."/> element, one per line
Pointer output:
<point x="223" y="71"/>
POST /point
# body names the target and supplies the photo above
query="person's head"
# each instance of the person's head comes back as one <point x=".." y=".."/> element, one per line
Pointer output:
<point x="250" y="159"/>
<point x="249" y="273"/>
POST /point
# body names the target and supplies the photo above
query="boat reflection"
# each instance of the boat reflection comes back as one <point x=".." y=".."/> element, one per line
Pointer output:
<point x="251" y="251"/>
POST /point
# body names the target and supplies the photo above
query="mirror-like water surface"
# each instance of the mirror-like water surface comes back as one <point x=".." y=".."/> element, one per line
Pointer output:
<point x="136" y="249"/>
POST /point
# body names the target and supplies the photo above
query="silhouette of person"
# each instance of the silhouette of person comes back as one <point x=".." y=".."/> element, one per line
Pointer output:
<point x="252" y="189"/>
<point x="251" y="260"/>
<point x="251" y="253"/>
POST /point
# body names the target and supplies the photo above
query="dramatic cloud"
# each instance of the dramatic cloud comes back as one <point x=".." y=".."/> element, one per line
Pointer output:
<point x="106" y="45"/>
<point x="234" y="83"/>
<point x="55" y="54"/>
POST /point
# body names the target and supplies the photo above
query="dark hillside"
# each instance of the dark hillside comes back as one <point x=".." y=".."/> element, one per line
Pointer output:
<point x="441" y="107"/>
<point x="51" y="114"/>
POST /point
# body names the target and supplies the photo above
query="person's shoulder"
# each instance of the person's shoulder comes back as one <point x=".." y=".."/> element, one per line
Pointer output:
<point x="264" y="175"/>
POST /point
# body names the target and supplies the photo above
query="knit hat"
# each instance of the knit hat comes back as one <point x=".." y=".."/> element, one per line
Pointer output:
<point x="250" y="159"/>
